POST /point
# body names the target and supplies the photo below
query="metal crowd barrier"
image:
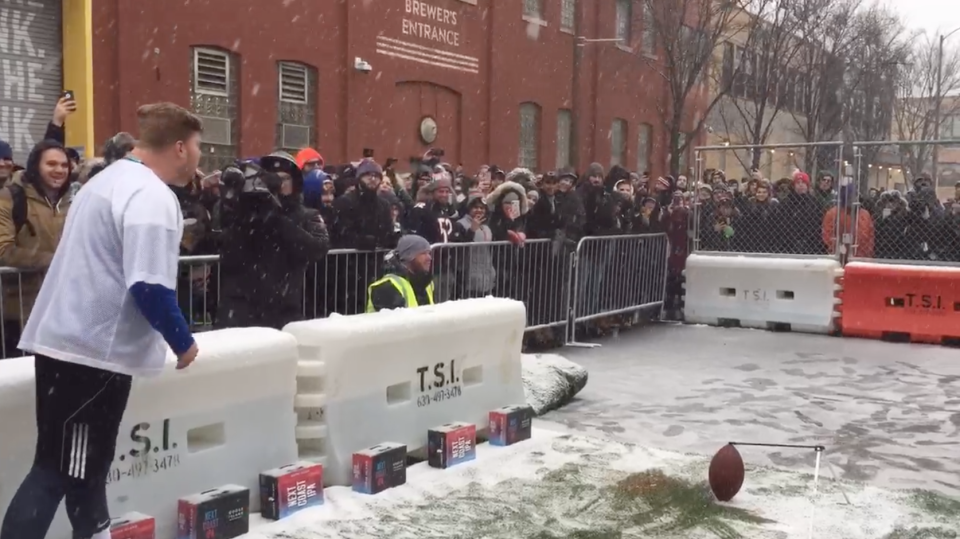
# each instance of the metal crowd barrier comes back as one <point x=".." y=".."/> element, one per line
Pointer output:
<point x="561" y="284"/>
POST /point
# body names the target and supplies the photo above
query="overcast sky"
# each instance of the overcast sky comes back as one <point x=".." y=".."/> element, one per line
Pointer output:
<point x="930" y="15"/>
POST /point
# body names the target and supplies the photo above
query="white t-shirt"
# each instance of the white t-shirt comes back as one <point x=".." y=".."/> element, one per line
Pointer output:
<point x="123" y="227"/>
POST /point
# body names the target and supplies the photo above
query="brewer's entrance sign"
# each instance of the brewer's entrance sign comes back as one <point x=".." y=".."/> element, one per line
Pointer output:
<point x="428" y="34"/>
<point x="427" y="21"/>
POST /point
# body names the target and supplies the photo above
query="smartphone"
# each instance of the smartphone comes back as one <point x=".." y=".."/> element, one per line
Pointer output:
<point x="68" y="94"/>
<point x="368" y="153"/>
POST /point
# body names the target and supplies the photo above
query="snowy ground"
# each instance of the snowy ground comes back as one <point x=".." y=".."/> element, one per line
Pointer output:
<point x="670" y="396"/>
<point x="888" y="414"/>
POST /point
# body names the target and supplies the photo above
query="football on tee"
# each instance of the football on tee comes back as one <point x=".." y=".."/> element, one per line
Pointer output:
<point x="726" y="473"/>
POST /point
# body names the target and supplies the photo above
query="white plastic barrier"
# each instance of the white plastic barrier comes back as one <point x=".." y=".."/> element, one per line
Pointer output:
<point x="225" y="419"/>
<point x="760" y="292"/>
<point x="390" y="376"/>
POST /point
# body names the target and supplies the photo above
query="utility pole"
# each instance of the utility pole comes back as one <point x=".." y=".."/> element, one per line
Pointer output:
<point x="938" y="103"/>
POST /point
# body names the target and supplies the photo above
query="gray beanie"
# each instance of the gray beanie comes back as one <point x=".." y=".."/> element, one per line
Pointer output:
<point x="410" y="246"/>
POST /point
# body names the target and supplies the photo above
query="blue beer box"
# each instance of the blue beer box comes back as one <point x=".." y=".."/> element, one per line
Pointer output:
<point x="510" y="424"/>
<point x="451" y="444"/>
<point x="380" y="467"/>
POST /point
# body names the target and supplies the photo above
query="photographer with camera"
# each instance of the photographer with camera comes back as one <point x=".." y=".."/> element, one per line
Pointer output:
<point x="269" y="239"/>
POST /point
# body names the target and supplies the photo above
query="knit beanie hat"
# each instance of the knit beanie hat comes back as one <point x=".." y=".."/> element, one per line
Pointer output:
<point x="594" y="170"/>
<point x="410" y="246"/>
<point x="369" y="167"/>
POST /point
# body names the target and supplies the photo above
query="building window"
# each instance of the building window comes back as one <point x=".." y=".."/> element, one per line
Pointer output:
<point x="618" y="139"/>
<point x="564" y="137"/>
<point x="568" y="15"/>
<point x="211" y="72"/>
<point x="644" y="147"/>
<point x="624" y="11"/>
<point x="529" y="135"/>
<point x="215" y="98"/>
<point x="296" y="106"/>
<point x="533" y="9"/>
<point x="648" y="44"/>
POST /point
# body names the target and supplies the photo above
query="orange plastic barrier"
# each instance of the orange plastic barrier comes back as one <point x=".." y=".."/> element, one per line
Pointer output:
<point x="883" y="301"/>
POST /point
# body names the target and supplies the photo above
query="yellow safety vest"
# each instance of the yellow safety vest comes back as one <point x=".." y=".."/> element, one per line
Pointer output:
<point x="403" y="286"/>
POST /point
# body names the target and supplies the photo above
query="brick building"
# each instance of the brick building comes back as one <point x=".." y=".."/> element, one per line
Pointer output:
<point x="490" y="81"/>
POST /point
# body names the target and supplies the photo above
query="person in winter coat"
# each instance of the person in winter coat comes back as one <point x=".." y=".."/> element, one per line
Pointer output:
<point x="825" y="191"/>
<point x="891" y="222"/>
<point x="30" y="243"/>
<point x="507" y="208"/>
<point x="433" y="220"/>
<point x="761" y="226"/>
<point x="408" y="279"/>
<point x="841" y="213"/>
<point x="267" y="248"/>
<point x="479" y="274"/>
<point x="801" y="215"/>
<point x="363" y="218"/>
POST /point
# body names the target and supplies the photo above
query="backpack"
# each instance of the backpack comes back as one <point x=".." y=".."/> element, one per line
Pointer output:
<point x="18" y="212"/>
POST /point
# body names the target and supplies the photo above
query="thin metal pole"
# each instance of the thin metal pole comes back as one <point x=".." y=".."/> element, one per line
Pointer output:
<point x="936" y="116"/>
<point x="785" y="146"/>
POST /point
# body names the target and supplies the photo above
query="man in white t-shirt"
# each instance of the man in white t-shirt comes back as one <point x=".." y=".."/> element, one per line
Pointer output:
<point x="107" y="312"/>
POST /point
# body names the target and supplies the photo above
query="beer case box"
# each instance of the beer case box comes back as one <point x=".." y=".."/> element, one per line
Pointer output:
<point x="451" y="444"/>
<point x="510" y="424"/>
<point x="288" y="489"/>
<point x="380" y="467"/>
<point x="133" y="526"/>
<point x="220" y="513"/>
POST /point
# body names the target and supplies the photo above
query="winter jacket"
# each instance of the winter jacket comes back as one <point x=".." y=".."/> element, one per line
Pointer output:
<point x="31" y="248"/>
<point x="865" y="231"/>
<point x="478" y="268"/>
<point x="363" y="221"/>
<point x="265" y="253"/>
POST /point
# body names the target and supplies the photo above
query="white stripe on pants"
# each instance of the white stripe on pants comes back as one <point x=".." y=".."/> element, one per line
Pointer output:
<point x="78" y="450"/>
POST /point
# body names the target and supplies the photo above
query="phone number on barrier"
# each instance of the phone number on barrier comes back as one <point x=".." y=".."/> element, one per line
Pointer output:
<point x="142" y="468"/>
<point x="446" y="393"/>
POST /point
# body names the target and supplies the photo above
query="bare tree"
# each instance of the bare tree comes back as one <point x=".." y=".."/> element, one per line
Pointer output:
<point x="874" y="59"/>
<point x="764" y="77"/>
<point x="916" y="98"/>
<point x="683" y="37"/>
<point x="829" y="34"/>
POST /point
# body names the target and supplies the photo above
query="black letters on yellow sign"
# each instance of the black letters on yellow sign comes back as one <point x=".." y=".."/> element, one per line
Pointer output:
<point x="443" y="374"/>
<point x="139" y="435"/>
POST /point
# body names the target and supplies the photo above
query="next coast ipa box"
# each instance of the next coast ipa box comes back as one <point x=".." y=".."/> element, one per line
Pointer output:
<point x="451" y="444"/>
<point x="379" y="467"/>
<point x="133" y="526"/>
<point x="510" y="424"/>
<point x="220" y="513"/>
<point x="288" y="489"/>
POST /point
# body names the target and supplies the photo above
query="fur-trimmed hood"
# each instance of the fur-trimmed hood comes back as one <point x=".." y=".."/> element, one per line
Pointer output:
<point x="494" y="198"/>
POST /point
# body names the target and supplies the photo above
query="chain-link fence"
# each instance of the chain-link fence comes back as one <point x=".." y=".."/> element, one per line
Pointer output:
<point x="774" y="199"/>
<point x="904" y="210"/>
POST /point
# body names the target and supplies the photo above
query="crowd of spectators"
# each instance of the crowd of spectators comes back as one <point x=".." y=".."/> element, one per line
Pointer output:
<point x="494" y="231"/>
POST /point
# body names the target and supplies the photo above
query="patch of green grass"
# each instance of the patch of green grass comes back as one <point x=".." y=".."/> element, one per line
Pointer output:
<point x="921" y="533"/>
<point x="663" y="504"/>
<point x="934" y="503"/>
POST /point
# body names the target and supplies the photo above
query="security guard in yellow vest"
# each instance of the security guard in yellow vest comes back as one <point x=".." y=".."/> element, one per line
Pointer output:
<point x="409" y="283"/>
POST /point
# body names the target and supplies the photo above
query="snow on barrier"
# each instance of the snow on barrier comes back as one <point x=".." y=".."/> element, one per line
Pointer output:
<point x="764" y="293"/>
<point x="392" y="375"/>
<point x="223" y="420"/>
<point x="921" y="303"/>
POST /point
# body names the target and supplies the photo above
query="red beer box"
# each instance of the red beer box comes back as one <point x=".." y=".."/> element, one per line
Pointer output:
<point x="133" y="526"/>
<point x="220" y="513"/>
<point x="288" y="489"/>
<point x="451" y="444"/>
<point x="380" y="467"/>
<point x="510" y="424"/>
